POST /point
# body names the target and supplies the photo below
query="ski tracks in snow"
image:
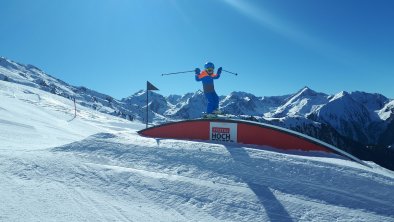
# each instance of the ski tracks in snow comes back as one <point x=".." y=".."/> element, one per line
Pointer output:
<point x="219" y="179"/>
<point x="122" y="177"/>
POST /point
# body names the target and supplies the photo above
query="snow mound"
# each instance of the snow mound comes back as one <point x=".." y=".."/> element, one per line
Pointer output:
<point x="236" y="183"/>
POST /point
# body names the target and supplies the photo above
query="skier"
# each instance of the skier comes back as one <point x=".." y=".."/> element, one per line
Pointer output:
<point x="207" y="76"/>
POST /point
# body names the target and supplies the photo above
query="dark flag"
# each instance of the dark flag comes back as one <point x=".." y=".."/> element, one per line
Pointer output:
<point x="149" y="86"/>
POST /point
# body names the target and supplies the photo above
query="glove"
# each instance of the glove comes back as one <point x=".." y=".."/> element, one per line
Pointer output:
<point x="219" y="71"/>
<point x="197" y="71"/>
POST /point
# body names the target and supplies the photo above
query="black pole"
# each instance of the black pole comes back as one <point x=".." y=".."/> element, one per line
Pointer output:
<point x="230" y="72"/>
<point x="147" y="105"/>
<point x="174" y="73"/>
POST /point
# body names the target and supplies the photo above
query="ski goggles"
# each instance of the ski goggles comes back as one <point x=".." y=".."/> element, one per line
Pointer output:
<point x="209" y="69"/>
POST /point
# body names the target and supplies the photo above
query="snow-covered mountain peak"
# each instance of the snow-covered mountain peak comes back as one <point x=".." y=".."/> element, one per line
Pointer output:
<point x="301" y="103"/>
<point x="8" y="63"/>
<point x="306" y="91"/>
<point x="342" y="104"/>
<point x="237" y="95"/>
<point x="306" y="95"/>
<point x="11" y="65"/>
<point x="140" y="97"/>
<point x="136" y="94"/>
<point x="348" y="116"/>
<point x="241" y="94"/>
<point x="32" y="76"/>
<point x="372" y="101"/>
<point x="340" y="95"/>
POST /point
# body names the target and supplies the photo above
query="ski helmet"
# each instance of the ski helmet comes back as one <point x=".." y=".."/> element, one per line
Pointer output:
<point x="209" y="65"/>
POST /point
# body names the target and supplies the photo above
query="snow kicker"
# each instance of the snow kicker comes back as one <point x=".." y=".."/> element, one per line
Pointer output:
<point x="245" y="132"/>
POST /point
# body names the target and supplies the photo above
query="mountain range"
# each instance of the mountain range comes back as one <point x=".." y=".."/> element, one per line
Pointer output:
<point x="358" y="122"/>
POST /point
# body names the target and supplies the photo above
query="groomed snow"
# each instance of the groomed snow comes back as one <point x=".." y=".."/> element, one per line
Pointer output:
<point x="97" y="168"/>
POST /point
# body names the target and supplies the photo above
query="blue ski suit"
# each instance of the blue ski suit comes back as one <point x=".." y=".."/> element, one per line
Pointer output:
<point x="209" y="89"/>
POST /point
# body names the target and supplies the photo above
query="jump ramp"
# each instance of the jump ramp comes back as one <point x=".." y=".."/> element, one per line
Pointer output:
<point x="242" y="131"/>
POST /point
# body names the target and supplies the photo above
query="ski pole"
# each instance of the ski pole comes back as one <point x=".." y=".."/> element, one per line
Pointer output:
<point x="175" y="73"/>
<point x="230" y="72"/>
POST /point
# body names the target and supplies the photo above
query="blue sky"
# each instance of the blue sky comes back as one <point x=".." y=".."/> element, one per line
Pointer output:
<point x="277" y="46"/>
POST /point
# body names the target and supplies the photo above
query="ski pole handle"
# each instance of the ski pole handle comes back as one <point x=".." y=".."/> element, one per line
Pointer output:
<point x="230" y="72"/>
<point x="175" y="73"/>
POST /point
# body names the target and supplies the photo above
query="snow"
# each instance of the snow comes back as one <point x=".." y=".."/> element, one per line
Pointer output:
<point x="302" y="103"/>
<point x="387" y="111"/>
<point x="97" y="168"/>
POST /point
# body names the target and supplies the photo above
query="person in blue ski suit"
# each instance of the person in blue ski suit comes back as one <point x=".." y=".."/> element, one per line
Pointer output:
<point x="206" y="77"/>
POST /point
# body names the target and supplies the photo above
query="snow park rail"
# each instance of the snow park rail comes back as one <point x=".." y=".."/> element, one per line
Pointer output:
<point x="245" y="132"/>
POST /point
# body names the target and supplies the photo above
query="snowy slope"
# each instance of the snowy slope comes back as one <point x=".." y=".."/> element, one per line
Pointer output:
<point x="97" y="168"/>
<point x="30" y="75"/>
<point x="347" y="117"/>
<point x="41" y="119"/>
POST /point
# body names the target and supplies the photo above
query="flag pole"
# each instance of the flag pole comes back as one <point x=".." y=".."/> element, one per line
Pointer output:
<point x="149" y="86"/>
<point x="147" y="106"/>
